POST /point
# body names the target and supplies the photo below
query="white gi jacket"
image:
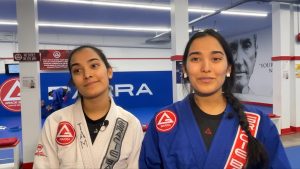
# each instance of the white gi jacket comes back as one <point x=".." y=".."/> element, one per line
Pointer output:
<point x="65" y="140"/>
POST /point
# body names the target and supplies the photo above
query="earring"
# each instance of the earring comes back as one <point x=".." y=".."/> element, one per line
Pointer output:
<point x="185" y="75"/>
<point x="228" y="74"/>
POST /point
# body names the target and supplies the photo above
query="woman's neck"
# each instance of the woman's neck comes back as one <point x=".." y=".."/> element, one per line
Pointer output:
<point x="213" y="105"/>
<point x="97" y="107"/>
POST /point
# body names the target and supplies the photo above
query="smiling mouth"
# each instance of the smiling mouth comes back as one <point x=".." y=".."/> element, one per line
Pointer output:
<point x="206" y="79"/>
<point x="89" y="84"/>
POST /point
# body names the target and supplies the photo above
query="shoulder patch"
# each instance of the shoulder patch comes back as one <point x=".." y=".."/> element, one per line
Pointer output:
<point x="165" y="120"/>
<point x="65" y="133"/>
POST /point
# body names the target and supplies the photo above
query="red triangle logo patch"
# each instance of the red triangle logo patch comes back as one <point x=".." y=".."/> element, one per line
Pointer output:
<point x="208" y="131"/>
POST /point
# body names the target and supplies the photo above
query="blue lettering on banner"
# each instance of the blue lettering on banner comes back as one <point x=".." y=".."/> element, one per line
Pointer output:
<point x="143" y="89"/>
<point x="117" y="89"/>
<point x="129" y="89"/>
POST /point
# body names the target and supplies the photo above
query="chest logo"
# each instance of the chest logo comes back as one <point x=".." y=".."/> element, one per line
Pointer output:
<point x="208" y="131"/>
<point x="65" y="133"/>
<point x="165" y="120"/>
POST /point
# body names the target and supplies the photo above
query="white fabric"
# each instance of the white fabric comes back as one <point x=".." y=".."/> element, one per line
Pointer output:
<point x="81" y="153"/>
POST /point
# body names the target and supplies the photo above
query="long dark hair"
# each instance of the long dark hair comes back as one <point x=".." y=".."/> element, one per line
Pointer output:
<point x="257" y="156"/>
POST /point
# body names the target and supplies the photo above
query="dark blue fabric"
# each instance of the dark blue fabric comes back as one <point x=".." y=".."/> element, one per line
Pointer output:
<point x="58" y="102"/>
<point x="183" y="146"/>
<point x="58" y="99"/>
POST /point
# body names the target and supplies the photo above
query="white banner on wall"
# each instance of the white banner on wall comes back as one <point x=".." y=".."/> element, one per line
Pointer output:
<point x="252" y="54"/>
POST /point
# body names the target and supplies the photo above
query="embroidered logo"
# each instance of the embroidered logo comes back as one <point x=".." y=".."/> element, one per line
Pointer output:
<point x="65" y="133"/>
<point x="165" y="120"/>
<point x="39" y="151"/>
<point x="208" y="131"/>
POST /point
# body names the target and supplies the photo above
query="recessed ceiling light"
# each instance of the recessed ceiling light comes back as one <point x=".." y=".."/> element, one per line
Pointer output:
<point x="258" y="14"/>
<point x="128" y="27"/>
<point x="8" y="22"/>
<point x="108" y="27"/>
<point x="160" y="7"/>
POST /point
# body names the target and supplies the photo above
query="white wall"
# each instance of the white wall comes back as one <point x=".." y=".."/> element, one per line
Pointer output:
<point x="6" y="49"/>
<point x="133" y="54"/>
<point x="125" y="53"/>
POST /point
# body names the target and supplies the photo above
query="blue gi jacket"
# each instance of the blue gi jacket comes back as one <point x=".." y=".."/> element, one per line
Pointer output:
<point x="173" y="140"/>
<point x="58" y="99"/>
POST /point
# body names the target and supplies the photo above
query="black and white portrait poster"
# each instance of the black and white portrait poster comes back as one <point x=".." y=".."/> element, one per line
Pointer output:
<point x="252" y="54"/>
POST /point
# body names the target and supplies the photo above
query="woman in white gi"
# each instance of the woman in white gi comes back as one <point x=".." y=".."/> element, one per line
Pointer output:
<point x="93" y="132"/>
<point x="210" y="128"/>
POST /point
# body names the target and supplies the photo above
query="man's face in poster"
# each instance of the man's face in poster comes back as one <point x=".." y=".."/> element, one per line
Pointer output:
<point x="244" y="53"/>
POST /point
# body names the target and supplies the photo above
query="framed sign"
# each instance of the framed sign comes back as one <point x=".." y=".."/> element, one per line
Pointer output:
<point x="26" y="56"/>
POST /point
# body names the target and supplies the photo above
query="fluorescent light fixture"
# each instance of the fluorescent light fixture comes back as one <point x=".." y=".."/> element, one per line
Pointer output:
<point x="7" y="22"/>
<point x="128" y="5"/>
<point x="117" y="4"/>
<point x="159" y="7"/>
<point x="257" y="14"/>
<point x="229" y="12"/>
<point x="94" y="26"/>
<point x="196" y="10"/>
<point x="107" y="27"/>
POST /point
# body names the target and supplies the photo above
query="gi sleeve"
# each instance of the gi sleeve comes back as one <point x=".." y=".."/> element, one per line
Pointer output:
<point x="46" y="152"/>
<point x="150" y="157"/>
<point x="136" y="146"/>
<point x="277" y="155"/>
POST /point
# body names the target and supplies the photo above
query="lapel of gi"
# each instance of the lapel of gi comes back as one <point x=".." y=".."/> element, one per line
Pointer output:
<point x="190" y="125"/>
<point x="83" y="136"/>
<point x="222" y="141"/>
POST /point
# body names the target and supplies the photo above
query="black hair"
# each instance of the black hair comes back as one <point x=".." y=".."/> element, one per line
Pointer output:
<point x="256" y="154"/>
<point x="98" y="51"/>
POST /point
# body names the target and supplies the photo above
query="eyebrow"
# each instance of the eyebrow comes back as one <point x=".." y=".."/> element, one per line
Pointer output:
<point x="196" y="52"/>
<point x="217" y="52"/>
<point x="213" y="52"/>
<point x="91" y="60"/>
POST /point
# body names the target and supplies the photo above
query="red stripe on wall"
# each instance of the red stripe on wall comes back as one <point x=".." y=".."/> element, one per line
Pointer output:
<point x="176" y="58"/>
<point x="278" y="58"/>
<point x="27" y="166"/>
<point x="258" y="104"/>
<point x="290" y="130"/>
<point x="139" y="58"/>
<point x="164" y="58"/>
<point x="2" y="58"/>
<point x="286" y="131"/>
<point x="295" y="129"/>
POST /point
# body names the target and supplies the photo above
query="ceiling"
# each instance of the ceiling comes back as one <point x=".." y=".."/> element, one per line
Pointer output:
<point x="228" y="25"/>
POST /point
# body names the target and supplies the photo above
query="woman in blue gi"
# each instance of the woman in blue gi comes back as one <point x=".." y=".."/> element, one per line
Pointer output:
<point x="210" y="128"/>
<point x="58" y="99"/>
<point x="93" y="132"/>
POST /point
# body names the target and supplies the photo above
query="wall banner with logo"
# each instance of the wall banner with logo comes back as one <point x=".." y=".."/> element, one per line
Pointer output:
<point x="129" y="89"/>
<point x="10" y="95"/>
<point x="54" y="59"/>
